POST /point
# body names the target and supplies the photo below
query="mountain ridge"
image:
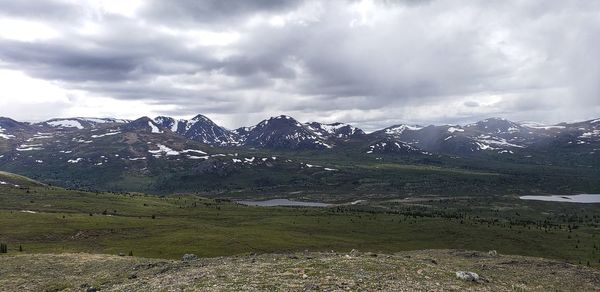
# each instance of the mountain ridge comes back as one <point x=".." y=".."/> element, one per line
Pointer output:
<point x="286" y="133"/>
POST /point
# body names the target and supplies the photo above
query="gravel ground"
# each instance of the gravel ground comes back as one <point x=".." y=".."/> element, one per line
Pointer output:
<point x="426" y="270"/>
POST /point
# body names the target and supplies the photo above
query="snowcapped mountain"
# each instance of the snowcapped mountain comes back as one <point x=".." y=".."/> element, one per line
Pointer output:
<point x="398" y="130"/>
<point x="281" y="132"/>
<point x="79" y="123"/>
<point x="170" y="123"/>
<point x="489" y="136"/>
<point x="390" y="145"/>
<point x="493" y="135"/>
<point x="145" y="124"/>
<point x="10" y="128"/>
<point x="496" y="126"/>
<point x="335" y="130"/>
<point x="204" y="130"/>
<point x="200" y="128"/>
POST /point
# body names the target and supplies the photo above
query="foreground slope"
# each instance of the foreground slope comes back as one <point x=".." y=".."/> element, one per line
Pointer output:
<point x="429" y="270"/>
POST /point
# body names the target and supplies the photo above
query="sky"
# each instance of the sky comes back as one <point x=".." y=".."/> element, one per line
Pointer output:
<point x="369" y="63"/>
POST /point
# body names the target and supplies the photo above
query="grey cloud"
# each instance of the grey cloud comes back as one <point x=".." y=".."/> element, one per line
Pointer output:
<point x="411" y="54"/>
<point x="48" y="9"/>
<point x="211" y="12"/>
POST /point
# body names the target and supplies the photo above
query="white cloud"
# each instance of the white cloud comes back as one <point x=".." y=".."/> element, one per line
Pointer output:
<point x="25" y="30"/>
<point x="26" y="98"/>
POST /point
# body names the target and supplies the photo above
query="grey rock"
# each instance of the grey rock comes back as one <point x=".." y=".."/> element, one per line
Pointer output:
<point x="467" y="276"/>
<point x="188" y="257"/>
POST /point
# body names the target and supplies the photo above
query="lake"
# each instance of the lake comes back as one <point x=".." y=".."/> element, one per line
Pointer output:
<point x="282" y="202"/>
<point x="583" y="198"/>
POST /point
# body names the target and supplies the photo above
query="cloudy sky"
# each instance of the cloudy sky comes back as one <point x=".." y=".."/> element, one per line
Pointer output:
<point x="370" y="63"/>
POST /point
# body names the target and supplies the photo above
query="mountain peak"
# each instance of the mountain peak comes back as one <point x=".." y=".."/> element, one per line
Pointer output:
<point x="281" y="132"/>
<point x="144" y="124"/>
<point x="335" y="130"/>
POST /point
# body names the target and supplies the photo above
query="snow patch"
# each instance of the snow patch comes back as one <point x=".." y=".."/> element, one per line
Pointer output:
<point x="154" y="128"/>
<point x="541" y="127"/>
<point x="594" y="133"/>
<point x="162" y="149"/>
<point x="137" y="158"/>
<point x="66" y="124"/>
<point x="400" y="129"/>
<point x="32" y="147"/>
<point x="453" y="129"/>
<point x="193" y="150"/>
<point x="104" y="135"/>
<point x="5" y="136"/>
<point x="197" y="157"/>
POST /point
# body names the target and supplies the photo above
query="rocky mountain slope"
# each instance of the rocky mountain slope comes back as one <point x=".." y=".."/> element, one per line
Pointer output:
<point x="494" y="135"/>
<point x="151" y="154"/>
<point x="428" y="270"/>
<point x="281" y="132"/>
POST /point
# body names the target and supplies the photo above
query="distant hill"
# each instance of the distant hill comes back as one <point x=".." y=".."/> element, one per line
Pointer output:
<point x="15" y="180"/>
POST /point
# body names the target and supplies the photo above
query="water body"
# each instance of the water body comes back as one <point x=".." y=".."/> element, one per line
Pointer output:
<point x="583" y="198"/>
<point x="282" y="202"/>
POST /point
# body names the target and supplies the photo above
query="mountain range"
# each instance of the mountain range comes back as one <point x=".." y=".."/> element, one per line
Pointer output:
<point x="165" y="154"/>
<point x="285" y="133"/>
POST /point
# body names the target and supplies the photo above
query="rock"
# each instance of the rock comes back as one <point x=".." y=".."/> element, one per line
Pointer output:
<point x="91" y="289"/>
<point x="493" y="253"/>
<point x="188" y="257"/>
<point x="467" y="276"/>
<point x="121" y="254"/>
<point x="354" y="253"/>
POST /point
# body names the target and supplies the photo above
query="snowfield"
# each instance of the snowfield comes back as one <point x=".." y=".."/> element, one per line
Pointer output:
<point x="162" y="149"/>
<point x="66" y="124"/>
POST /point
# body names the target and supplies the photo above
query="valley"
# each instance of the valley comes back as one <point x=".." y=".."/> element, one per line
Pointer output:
<point x="281" y="155"/>
<point x="44" y="219"/>
<point x="160" y="189"/>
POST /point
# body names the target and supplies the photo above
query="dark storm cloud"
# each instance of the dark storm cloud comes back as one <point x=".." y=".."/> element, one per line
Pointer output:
<point x="370" y="62"/>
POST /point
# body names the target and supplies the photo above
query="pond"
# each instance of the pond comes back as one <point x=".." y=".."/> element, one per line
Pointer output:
<point x="583" y="198"/>
<point x="282" y="202"/>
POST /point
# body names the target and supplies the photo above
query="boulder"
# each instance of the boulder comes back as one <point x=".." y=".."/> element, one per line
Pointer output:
<point x="188" y="257"/>
<point x="467" y="276"/>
